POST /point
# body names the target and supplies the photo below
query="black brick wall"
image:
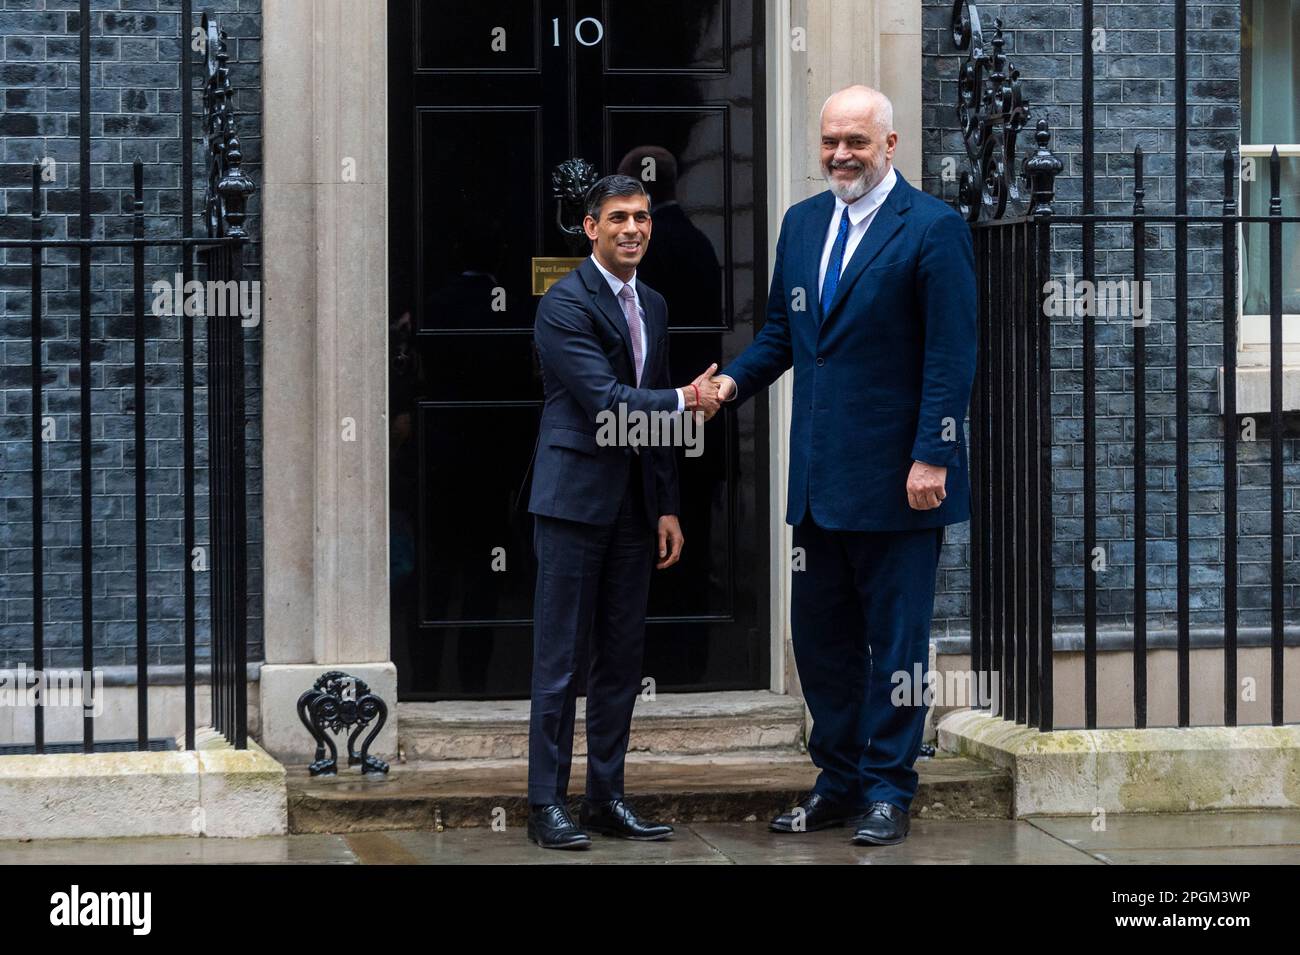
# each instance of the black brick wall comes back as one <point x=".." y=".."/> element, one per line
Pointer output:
<point x="1134" y="96"/>
<point x="136" y="103"/>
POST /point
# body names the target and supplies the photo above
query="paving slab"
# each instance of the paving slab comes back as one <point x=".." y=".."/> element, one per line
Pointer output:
<point x="1187" y="830"/>
<point x="931" y="842"/>
<point x="1216" y="855"/>
<point x="179" y="850"/>
<point x="484" y="846"/>
<point x="1179" y="839"/>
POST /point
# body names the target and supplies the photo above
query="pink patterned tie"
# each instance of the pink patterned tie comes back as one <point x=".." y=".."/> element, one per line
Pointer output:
<point x="628" y="298"/>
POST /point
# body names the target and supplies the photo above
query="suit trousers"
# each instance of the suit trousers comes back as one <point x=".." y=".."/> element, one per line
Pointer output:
<point x="593" y="584"/>
<point x="860" y="620"/>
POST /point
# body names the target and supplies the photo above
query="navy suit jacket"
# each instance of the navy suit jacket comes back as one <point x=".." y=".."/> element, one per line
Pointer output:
<point x="586" y="357"/>
<point x="884" y="379"/>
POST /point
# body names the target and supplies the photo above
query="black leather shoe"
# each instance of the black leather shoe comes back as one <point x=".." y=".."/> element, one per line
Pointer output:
<point x="883" y="825"/>
<point x="616" y="818"/>
<point x="551" y="827"/>
<point x="812" y="813"/>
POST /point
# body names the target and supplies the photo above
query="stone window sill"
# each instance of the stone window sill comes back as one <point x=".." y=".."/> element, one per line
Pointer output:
<point x="1253" y="384"/>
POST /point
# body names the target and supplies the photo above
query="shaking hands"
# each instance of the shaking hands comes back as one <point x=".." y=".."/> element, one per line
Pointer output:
<point x="702" y="394"/>
<point x="707" y="392"/>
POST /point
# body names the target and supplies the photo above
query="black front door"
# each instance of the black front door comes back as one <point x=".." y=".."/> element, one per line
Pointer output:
<point x="485" y="100"/>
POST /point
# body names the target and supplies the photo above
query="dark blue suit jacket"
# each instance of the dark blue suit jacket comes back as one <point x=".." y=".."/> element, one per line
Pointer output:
<point x="586" y="355"/>
<point x="885" y="378"/>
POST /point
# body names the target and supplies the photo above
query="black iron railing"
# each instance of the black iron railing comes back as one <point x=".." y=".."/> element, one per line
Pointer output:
<point x="228" y="192"/>
<point x="220" y="257"/>
<point x="1016" y="582"/>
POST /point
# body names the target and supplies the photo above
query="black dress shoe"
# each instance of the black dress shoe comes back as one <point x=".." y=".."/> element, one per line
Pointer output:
<point x="883" y="825"/>
<point x="551" y="827"/>
<point x="616" y="818"/>
<point x="813" y="812"/>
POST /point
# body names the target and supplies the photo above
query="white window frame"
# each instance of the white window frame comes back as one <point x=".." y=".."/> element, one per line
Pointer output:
<point x="1253" y="357"/>
<point x="1253" y="330"/>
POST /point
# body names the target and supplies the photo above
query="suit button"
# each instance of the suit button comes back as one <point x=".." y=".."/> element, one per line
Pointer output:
<point x="820" y="362"/>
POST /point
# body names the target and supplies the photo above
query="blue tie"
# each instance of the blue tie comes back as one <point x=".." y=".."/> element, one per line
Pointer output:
<point x="832" y="280"/>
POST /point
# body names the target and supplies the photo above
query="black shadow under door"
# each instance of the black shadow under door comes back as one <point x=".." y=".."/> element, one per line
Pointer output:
<point x="486" y="98"/>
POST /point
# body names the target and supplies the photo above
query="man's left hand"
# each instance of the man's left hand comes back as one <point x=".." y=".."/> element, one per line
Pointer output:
<point x="670" y="541"/>
<point x="925" y="487"/>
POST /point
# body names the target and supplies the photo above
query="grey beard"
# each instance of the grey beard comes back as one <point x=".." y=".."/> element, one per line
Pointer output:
<point x="848" y="193"/>
<point x="857" y="188"/>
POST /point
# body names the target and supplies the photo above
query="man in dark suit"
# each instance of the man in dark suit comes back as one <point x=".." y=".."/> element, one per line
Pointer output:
<point x="873" y="305"/>
<point x="600" y="508"/>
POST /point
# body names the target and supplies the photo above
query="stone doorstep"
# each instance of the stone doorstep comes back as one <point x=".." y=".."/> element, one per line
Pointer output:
<point x="727" y="787"/>
<point x="214" y="790"/>
<point x="672" y="723"/>
<point x="1158" y="769"/>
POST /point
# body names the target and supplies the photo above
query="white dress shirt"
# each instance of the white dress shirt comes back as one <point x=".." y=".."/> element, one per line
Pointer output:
<point x="616" y="286"/>
<point x="861" y="214"/>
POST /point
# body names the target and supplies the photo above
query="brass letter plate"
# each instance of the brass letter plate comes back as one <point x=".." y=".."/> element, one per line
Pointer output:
<point x="548" y="271"/>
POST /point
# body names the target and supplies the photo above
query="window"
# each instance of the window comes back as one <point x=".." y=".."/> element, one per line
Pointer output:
<point x="1270" y="116"/>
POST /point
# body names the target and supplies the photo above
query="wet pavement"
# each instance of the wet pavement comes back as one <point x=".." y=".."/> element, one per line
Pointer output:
<point x="1183" y="838"/>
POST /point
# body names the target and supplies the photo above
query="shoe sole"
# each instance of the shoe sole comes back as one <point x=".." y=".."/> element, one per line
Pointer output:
<point x="838" y="824"/>
<point x="619" y="835"/>
<point x="567" y="845"/>
<point x="580" y="844"/>
<point x="870" y="841"/>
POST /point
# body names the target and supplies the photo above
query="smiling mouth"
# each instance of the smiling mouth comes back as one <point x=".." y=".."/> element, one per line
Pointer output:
<point x="629" y="246"/>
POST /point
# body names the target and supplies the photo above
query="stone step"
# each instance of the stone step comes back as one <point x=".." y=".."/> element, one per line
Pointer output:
<point x="671" y="723"/>
<point x="737" y="786"/>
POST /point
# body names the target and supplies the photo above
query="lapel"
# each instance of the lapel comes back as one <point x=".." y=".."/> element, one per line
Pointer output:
<point x="886" y="224"/>
<point x="606" y="305"/>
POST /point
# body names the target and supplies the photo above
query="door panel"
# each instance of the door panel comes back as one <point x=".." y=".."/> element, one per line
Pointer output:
<point x="687" y="266"/>
<point x="474" y="36"/>
<point x="666" y="35"/>
<point x="485" y="100"/>
<point x="478" y="224"/>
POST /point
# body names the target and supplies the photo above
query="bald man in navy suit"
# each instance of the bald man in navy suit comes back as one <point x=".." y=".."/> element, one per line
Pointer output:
<point x="873" y="306"/>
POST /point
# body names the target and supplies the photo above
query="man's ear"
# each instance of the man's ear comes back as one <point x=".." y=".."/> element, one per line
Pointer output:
<point x="589" y="227"/>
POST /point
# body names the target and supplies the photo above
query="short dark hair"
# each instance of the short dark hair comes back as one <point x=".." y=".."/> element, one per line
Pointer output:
<point x="612" y="186"/>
